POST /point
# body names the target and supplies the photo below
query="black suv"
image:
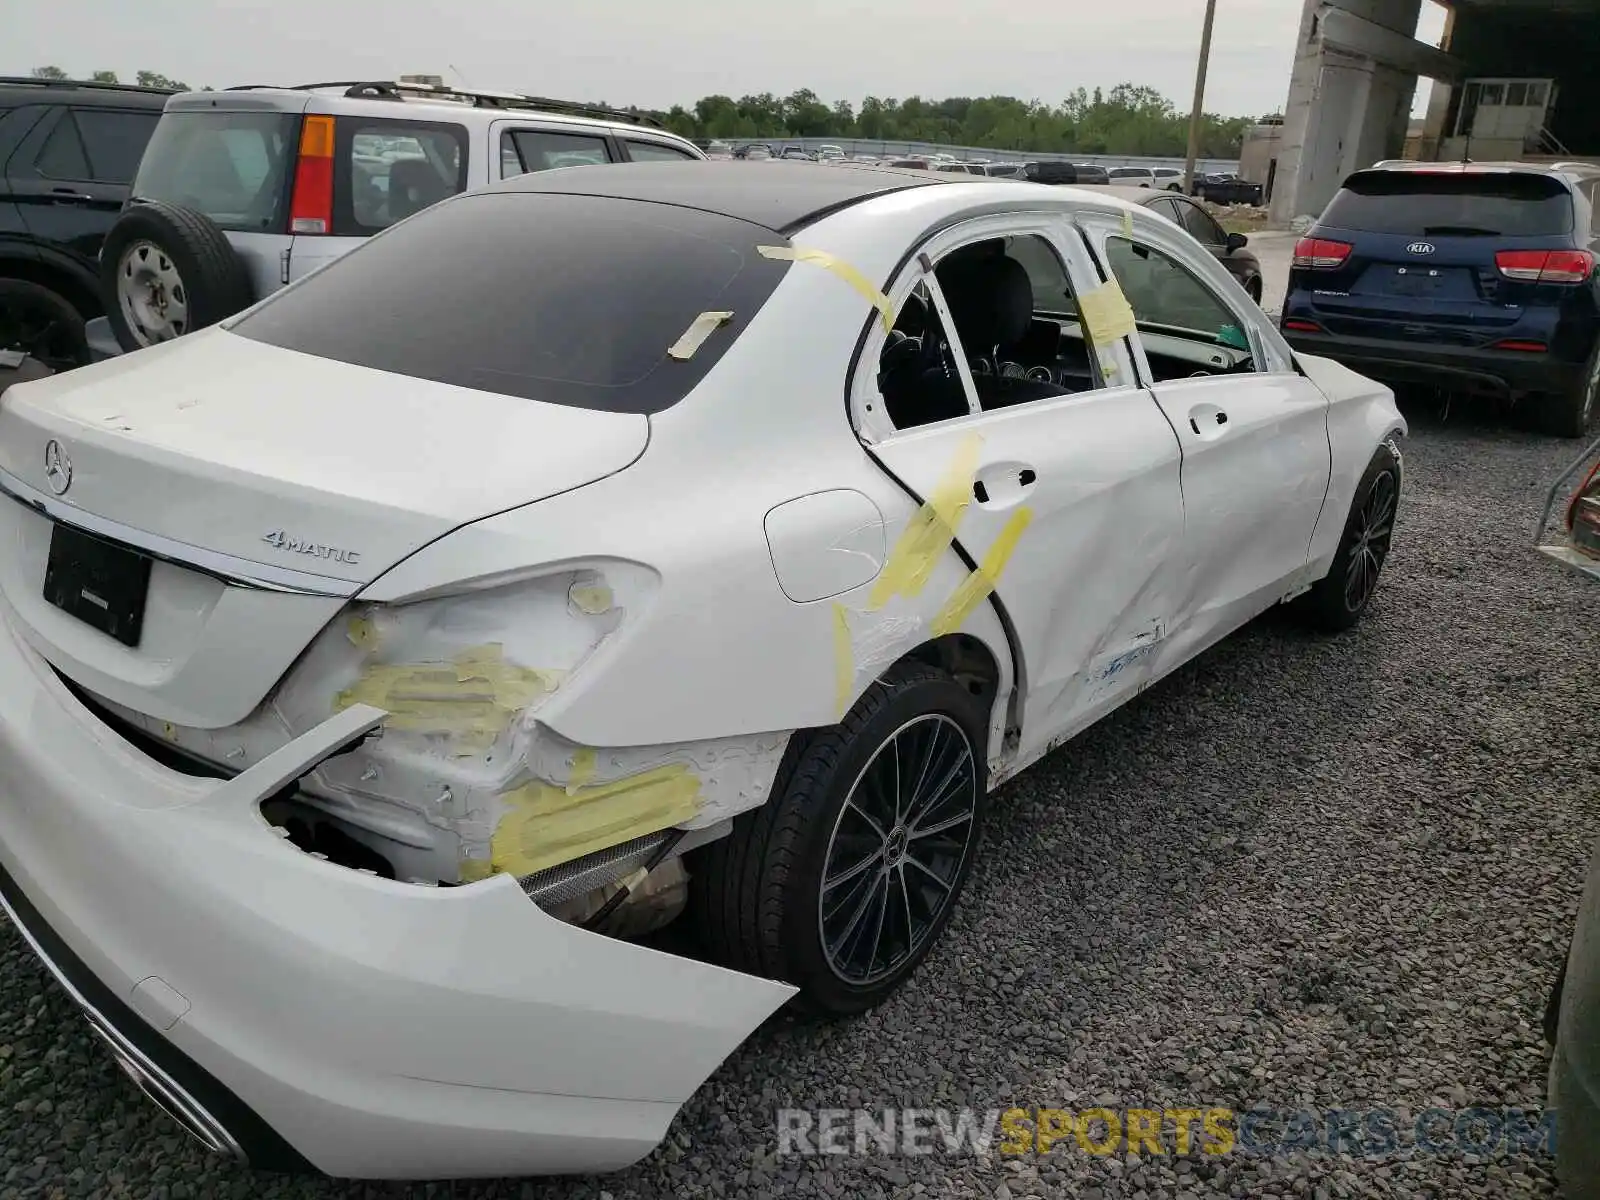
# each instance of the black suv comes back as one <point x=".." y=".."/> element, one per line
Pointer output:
<point x="68" y="151"/>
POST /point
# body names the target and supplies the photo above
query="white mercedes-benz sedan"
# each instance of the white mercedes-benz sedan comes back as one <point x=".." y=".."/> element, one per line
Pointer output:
<point x="612" y="546"/>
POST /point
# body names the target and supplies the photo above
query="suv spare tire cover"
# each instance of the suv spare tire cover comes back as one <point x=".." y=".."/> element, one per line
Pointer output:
<point x="188" y="260"/>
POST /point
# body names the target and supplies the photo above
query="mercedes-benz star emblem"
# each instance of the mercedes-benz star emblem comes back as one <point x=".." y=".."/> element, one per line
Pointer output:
<point x="57" y="467"/>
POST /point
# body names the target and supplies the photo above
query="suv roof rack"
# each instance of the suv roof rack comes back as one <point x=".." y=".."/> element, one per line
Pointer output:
<point x="381" y="89"/>
<point x="37" y="81"/>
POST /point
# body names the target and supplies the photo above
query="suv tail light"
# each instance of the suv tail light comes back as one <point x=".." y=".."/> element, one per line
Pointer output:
<point x="1320" y="254"/>
<point x="1545" y="266"/>
<point x="311" y="208"/>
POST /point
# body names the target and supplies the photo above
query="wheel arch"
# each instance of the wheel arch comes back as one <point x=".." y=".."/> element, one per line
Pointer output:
<point x="56" y="271"/>
<point x="974" y="663"/>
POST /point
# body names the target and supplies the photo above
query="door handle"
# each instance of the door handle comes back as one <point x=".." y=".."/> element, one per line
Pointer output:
<point x="68" y="196"/>
<point x="1207" y="420"/>
<point x="1003" y="483"/>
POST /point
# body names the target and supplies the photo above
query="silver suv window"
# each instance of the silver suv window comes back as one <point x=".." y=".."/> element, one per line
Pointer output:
<point x="390" y="169"/>
<point x="232" y="166"/>
<point x="525" y="150"/>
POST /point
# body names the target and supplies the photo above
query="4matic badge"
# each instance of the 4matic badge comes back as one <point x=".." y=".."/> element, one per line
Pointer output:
<point x="279" y="540"/>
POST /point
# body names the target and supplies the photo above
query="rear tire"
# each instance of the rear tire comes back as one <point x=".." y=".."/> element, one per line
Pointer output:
<point x="814" y="887"/>
<point x="1569" y="414"/>
<point x="1344" y="593"/>
<point x="165" y="271"/>
<point x="41" y="323"/>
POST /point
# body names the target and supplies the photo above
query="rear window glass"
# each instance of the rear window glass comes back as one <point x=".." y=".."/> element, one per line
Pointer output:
<point x="568" y="299"/>
<point x="395" y="169"/>
<point x="232" y="166"/>
<point x="1464" y="205"/>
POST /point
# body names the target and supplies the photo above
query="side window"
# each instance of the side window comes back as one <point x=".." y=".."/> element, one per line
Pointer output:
<point x="1169" y="300"/>
<point x="62" y="155"/>
<point x="1013" y="329"/>
<point x="1200" y="225"/>
<point x="544" y="149"/>
<point x="656" y="152"/>
<point x="114" y="141"/>
<point x="1168" y="209"/>
<point x="394" y="169"/>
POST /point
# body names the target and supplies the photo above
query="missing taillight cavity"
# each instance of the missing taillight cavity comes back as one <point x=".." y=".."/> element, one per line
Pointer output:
<point x="311" y="209"/>
<point x="1585" y="506"/>
<point x="1546" y="266"/>
<point x="1320" y="254"/>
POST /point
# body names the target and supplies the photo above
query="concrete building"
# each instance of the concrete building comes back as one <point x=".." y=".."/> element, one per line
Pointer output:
<point x="1514" y="79"/>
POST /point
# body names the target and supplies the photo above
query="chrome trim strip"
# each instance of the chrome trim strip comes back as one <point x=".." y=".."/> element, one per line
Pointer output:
<point x="239" y="572"/>
<point x="200" y="1123"/>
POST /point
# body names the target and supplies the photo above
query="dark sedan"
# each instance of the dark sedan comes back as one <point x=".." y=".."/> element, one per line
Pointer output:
<point x="1229" y="248"/>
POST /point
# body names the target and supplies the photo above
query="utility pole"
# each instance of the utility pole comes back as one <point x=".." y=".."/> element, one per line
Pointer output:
<point x="1197" y="114"/>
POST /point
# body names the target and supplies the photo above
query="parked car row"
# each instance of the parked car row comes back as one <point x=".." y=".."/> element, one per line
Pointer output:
<point x="435" y="637"/>
<point x="241" y="191"/>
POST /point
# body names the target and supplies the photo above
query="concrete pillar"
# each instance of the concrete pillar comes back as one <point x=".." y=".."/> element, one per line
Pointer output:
<point x="1350" y="97"/>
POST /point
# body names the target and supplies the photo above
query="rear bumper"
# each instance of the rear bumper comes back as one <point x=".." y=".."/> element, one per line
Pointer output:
<point x="1501" y="372"/>
<point x="303" y="1014"/>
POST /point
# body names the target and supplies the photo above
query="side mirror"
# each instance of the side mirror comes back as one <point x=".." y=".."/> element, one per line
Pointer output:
<point x="1237" y="241"/>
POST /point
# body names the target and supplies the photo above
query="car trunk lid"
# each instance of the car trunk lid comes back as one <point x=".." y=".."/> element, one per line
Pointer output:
<point x="268" y="486"/>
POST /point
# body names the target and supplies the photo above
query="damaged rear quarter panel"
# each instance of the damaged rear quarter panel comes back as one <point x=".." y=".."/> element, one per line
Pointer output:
<point x="679" y="711"/>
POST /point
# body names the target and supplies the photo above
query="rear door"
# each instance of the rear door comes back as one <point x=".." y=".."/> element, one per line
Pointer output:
<point x="71" y="173"/>
<point x="1070" y="500"/>
<point x="1417" y="256"/>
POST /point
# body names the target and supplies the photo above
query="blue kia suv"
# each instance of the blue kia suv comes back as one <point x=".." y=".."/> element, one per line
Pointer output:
<point x="1472" y="276"/>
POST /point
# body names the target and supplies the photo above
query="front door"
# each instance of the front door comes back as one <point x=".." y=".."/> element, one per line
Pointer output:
<point x="1063" y="487"/>
<point x="1254" y="435"/>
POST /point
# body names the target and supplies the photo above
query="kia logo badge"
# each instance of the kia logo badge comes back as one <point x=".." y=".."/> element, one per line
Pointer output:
<point x="1420" y="248"/>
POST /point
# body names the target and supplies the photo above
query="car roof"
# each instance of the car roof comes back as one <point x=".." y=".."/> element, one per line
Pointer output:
<point x="783" y="198"/>
<point x="407" y="100"/>
<point x="27" y="90"/>
<point x="1133" y="195"/>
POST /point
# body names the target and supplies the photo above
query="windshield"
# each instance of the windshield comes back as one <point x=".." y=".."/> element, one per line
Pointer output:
<point x="231" y="166"/>
<point x="586" y="301"/>
<point x="1467" y="204"/>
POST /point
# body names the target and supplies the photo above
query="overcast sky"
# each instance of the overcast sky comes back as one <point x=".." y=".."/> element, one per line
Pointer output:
<point x="659" y="52"/>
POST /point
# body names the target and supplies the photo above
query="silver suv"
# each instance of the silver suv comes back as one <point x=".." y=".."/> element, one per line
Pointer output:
<point x="243" y="191"/>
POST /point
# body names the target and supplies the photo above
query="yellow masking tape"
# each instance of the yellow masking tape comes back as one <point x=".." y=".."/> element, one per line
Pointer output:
<point x="844" y="663"/>
<point x="1127" y="222"/>
<point x="475" y="695"/>
<point x="840" y="268"/>
<point x="583" y="763"/>
<point x="544" y="824"/>
<point x="977" y="587"/>
<point x="1106" y="312"/>
<point x="931" y="531"/>
<point x="699" y="330"/>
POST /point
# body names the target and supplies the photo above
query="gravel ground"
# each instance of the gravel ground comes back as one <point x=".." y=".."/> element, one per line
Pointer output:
<point x="1301" y="872"/>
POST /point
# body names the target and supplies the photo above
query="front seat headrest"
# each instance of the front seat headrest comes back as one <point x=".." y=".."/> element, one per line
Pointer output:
<point x="990" y="299"/>
<point x="413" y="186"/>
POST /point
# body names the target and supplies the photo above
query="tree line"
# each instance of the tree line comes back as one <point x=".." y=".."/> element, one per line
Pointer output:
<point x="1128" y="120"/>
